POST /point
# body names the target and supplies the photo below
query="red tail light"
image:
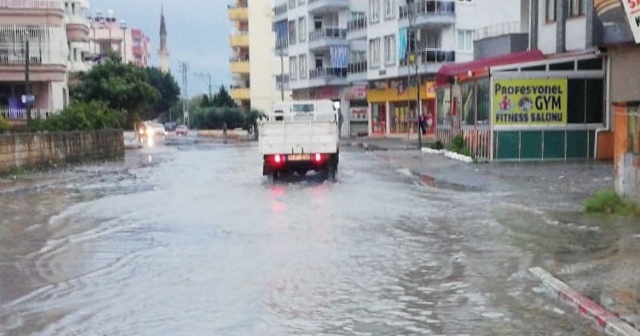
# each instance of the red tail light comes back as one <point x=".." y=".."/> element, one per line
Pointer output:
<point x="277" y="158"/>
<point x="318" y="157"/>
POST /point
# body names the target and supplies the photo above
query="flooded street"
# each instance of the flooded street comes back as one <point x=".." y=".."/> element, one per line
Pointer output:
<point x="191" y="240"/>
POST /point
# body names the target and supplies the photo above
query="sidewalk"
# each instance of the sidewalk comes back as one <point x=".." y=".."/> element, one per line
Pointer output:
<point x="551" y="185"/>
<point x="383" y="143"/>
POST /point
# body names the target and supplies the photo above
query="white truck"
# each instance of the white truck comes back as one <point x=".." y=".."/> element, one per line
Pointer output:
<point x="300" y="136"/>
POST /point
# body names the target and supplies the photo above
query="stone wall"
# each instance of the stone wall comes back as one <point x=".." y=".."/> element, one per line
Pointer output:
<point x="35" y="149"/>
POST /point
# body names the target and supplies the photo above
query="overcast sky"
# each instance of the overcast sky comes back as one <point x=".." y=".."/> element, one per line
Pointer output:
<point x="198" y="33"/>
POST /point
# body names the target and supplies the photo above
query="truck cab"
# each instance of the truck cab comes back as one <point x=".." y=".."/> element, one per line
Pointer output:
<point x="300" y="136"/>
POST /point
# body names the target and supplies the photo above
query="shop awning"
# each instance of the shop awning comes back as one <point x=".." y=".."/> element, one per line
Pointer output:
<point x="454" y="69"/>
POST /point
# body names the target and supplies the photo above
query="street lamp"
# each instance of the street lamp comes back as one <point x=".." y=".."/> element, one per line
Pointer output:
<point x="123" y="26"/>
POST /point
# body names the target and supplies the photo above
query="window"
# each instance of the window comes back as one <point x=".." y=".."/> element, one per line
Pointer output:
<point x="374" y="11"/>
<point x="577" y="7"/>
<point x="292" y="32"/>
<point x="389" y="9"/>
<point x="551" y="10"/>
<point x="302" y="29"/>
<point x="465" y="1"/>
<point x="390" y="50"/>
<point x="303" y="66"/>
<point x="374" y="52"/>
<point x="293" y="68"/>
<point x="465" y="40"/>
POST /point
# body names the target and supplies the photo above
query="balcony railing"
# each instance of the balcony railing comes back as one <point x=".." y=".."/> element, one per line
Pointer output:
<point x="15" y="53"/>
<point x="357" y="24"/>
<point x="21" y="113"/>
<point x="280" y="9"/>
<point x="505" y="28"/>
<point x="433" y="56"/>
<point x="328" y="72"/>
<point x="33" y="4"/>
<point x="328" y="33"/>
<point x="358" y="67"/>
<point x="426" y="7"/>
<point x="242" y="58"/>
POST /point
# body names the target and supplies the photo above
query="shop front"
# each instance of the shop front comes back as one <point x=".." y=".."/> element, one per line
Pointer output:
<point x="356" y="118"/>
<point x="392" y="109"/>
<point x="535" y="110"/>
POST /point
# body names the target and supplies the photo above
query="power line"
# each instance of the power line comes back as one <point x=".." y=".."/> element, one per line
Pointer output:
<point x="206" y="75"/>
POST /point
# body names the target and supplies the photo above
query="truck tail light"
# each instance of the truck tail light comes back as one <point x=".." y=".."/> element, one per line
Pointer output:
<point x="318" y="157"/>
<point x="277" y="158"/>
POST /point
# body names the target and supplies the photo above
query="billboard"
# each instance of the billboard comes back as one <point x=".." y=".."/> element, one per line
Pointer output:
<point x="529" y="102"/>
<point x="632" y="10"/>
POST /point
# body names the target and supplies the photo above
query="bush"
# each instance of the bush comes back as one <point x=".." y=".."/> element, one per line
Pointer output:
<point x="608" y="202"/>
<point x="438" y="145"/>
<point x="80" y="116"/>
<point x="4" y="125"/>
<point x="457" y="144"/>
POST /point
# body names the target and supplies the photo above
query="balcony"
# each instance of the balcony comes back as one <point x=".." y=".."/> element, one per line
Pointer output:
<point x="357" y="29"/>
<point x="431" y="59"/>
<point x="238" y="13"/>
<point x="430" y="13"/>
<point x="328" y="76"/>
<point x="78" y="29"/>
<point x="327" y="37"/>
<point x="15" y="11"/>
<point x="280" y="12"/>
<point x="357" y="71"/>
<point x="240" y="93"/>
<point x="20" y="114"/>
<point x="282" y="82"/>
<point x="76" y="66"/>
<point x="239" y="40"/>
<point x="46" y="63"/>
<point x="239" y="65"/>
<point x="327" y="6"/>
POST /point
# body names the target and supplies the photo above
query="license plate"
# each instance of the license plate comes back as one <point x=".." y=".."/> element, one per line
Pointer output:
<point x="299" y="157"/>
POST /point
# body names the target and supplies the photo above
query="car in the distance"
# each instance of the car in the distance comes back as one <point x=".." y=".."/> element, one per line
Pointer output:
<point x="182" y="130"/>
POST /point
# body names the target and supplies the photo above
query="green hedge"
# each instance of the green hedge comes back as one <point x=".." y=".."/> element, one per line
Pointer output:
<point x="81" y="116"/>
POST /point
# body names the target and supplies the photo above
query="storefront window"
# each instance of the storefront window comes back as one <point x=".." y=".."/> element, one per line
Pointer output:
<point x="468" y="103"/>
<point x="378" y="118"/>
<point x="585" y="101"/>
<point x="484" y="102"/>
<point x="443" y="106"/>
<point x="403" y="115"/>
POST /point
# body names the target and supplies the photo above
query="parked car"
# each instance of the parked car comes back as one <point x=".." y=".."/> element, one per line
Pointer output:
<point x="182" y="130"/>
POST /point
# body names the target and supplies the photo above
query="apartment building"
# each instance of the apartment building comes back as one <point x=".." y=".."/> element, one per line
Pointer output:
<point x="34" y="33"/>
<point x="366" y="53"/>
<point x="109" y="35"/>
<point x="255" y="63"/>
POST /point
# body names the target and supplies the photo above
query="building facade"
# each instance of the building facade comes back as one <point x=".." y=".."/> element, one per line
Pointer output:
<point x="257" y="63"/>
<point x="368" y="54"/>
<point x="35" y="33"/>
<point x="112" y="36"/>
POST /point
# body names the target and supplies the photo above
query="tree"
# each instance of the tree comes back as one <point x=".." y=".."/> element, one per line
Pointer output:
<point x="121" y="86"/>
<point x="168" y="89"/>
<point x="223" y="99"/>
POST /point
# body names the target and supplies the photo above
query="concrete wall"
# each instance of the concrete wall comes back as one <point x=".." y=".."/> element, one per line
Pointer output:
<point x="500" y="45"/>
<point x="34" y="149"/>
<point x="628" y="176"/>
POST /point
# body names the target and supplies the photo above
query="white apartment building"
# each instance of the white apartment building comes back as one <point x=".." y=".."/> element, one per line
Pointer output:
<point x="255" y="63"/>
<point x="380" y="37"/>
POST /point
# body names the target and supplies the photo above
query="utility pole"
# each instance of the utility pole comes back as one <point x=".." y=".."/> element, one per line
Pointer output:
<point x="207" y="75"/>
<point x="413" y="60"/>
<point x="27" y="82"/>
<point x="184" y="70"/>
<point x="280" y="48"/>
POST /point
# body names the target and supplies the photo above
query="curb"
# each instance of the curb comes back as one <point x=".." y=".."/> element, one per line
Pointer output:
<point x="448" y="154"/>
<point x="610" y="323"/>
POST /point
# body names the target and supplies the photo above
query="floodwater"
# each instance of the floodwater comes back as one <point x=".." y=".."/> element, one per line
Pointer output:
<point x="191" y="240"/>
